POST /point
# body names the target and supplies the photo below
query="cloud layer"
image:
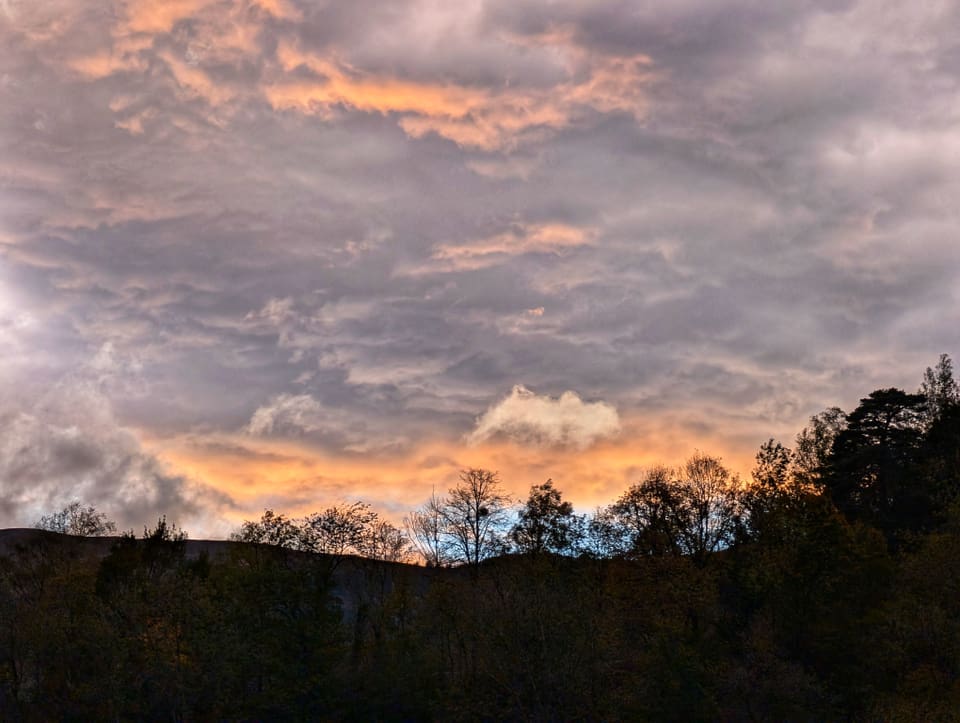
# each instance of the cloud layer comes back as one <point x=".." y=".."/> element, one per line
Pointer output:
<point x="325" y="235"/>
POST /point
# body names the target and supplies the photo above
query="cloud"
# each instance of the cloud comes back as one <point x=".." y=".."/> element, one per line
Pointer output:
<point x="227" y="57"/>
<point x="503" y="248"/>
<point x="300" y="415"/>
<point x="518" y="240"/>
<point x="288" y="414"/>
<point x="531" y="419"/>
<point x="70" y="447"/>
<point x="474" y="117"/>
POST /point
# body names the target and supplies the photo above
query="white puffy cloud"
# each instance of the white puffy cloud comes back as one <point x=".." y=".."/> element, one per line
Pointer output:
<point x="529" y="418"/>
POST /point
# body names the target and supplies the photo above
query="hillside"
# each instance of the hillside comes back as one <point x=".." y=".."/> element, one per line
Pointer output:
<point x="825" y="624"/>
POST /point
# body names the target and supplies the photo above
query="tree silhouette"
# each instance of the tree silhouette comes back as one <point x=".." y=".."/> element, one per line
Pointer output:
<point x="546" y="523"/>
<point x="776" y="489"/>
<point x="426" y="529"/>
<point x="271" y="529"/>
<point x="694" y="510"/>
<point x="940" y="390"/>
<point x="475" y="515"/>
<point x="338" y="531"/>
<point x="814" y="445"/>
<point x="648" y="516"/>
<point x="710" y="505"/>
<point x="870" y="474"/>
<point x="77" y="519"/>
<point x="384" y="541"/>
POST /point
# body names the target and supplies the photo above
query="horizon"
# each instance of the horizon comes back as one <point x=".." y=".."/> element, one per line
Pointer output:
<point x="276" y="254"/>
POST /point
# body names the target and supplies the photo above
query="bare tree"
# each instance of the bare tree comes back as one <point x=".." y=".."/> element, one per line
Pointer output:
<point x="648" y="516"/>
<point x="271" y="529"/>
<point x="338" y="530"/>
<point x="475" y="516"/>
<point x="939" y="389"/>
<point x="426" y="528"/>
<point x="814" y="445"/>
<point x="77" y="519"/>
<point x="693" y="510"/>
<point x="603" y="535"/>
<point x="385" y="541"/>
<point x="710" y="505"/>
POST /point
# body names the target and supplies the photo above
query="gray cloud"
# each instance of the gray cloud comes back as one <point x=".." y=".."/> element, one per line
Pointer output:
<point x="69" y="447"/>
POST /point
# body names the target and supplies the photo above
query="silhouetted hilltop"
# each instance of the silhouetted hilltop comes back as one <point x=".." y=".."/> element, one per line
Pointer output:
<point x="19" y="539"/>
<point x="817" y="618"/>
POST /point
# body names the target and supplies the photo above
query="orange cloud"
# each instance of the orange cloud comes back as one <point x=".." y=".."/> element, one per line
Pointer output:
<point x="483" y="118"/>
<point x="520" y="239"/>
<point x="341" y="84"/>
<point x="295" y="478"/>
<point x="279" y="9"/>
<point x="107" y="62"/>
<point x="196" y="82"/>
<point x="222" y="34"/>
<point x="160" y="17"/>
<point x="153" y="17"/>
<point x="494" y="117"/>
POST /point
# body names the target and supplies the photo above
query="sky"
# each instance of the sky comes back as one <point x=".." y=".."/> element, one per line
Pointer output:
<point x="289" y="253"/>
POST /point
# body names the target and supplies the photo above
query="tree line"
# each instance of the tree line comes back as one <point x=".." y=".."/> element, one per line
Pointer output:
<point x="825" y="588"/>
<point x="885" y="463"/>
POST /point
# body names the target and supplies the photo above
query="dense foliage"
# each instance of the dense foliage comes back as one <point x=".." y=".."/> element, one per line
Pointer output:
<point x="828" y="588"/>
